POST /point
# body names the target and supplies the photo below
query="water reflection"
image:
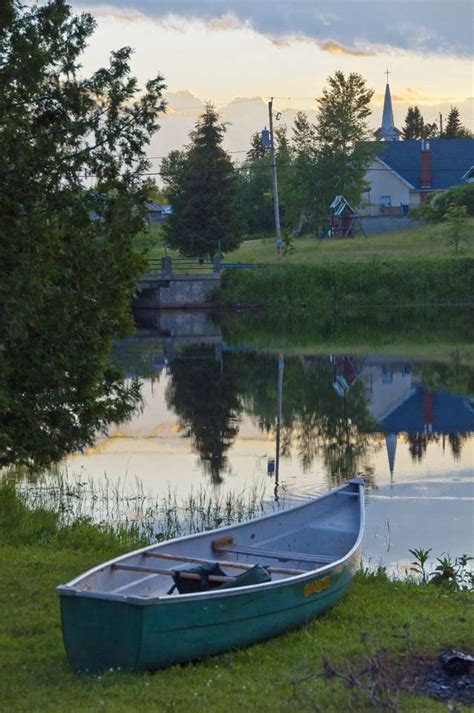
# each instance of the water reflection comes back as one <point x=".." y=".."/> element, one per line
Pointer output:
<point x="205" y="396"/>
<point x="333" y="411"/>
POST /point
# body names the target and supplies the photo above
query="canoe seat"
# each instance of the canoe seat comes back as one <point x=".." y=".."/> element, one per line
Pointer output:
<point x="283" y="556"/>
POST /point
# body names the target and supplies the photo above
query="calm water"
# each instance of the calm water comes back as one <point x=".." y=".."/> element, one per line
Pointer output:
<point x="220" y="413"/>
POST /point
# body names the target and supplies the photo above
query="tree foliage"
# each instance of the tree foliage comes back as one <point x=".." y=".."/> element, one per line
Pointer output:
<point x="436" y="205"/>
<point x="454" y="128"/>
<point x="415" y="126"/>
<point x="68" y="267"/>
<point x="201" y="185"/>
<point x="458" y="226"/>
<point x="318" y="160"/>
<point x="343" y="133"/>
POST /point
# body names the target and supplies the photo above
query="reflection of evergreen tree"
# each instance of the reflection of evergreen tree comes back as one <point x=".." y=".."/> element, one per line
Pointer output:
<point x="456" y="441"/>
<point x="418" y="444"/>
<point x="206" y="398"/>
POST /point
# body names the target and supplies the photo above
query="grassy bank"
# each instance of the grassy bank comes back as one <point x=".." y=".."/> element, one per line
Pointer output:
<point x="291" y="287"/>
<point x="413" y="623"/>
<point x="413" y="266"/>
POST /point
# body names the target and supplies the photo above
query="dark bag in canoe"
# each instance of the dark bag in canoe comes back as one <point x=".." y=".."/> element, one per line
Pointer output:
<point x="188" y="586"/>
<point x="184" y="585"/>
<point x="256" y="575"/>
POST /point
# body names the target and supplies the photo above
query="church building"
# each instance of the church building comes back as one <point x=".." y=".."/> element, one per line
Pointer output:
<point x="403" y="173"/>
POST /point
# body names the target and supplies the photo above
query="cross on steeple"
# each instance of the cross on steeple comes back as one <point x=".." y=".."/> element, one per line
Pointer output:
<point x="387" y="73"/>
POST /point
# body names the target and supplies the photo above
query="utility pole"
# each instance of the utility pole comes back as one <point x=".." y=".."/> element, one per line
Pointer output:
<point x="276" y="202"/>
<point x="441" y="125"/>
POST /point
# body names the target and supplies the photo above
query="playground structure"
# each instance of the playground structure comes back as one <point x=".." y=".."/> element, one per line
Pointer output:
<point x="344" y="221"/>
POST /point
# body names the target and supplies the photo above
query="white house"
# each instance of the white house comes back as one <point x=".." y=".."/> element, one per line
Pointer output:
<point x="403" y="173"/>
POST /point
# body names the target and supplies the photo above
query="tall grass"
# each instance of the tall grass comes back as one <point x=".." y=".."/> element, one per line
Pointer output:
<point x="58" y="506"/>
<point x="290" y="287"/>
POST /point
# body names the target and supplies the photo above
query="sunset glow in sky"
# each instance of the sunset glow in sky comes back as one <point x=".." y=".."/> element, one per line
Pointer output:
<point x="221" y="50"/>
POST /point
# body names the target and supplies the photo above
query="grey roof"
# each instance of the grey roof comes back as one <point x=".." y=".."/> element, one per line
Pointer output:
<point x="451" y="159"/>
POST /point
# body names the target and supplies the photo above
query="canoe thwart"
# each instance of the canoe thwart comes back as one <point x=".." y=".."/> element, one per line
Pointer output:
<point x="284" y="556"/>
<point x="222" y="563"/>
<point x="170" y="572"/>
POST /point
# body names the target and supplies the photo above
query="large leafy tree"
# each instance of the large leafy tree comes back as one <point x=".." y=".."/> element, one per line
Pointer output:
<point x="201" y="184"/>
<point x="303" y="202"/>
<point x="342" y="134"/>
<point x="68" y="268"/>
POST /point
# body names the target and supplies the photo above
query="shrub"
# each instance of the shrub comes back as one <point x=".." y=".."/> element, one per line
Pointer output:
<point x="436" y="205"/>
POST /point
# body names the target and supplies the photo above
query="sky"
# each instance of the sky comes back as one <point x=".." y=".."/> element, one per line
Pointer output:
<point x="239" y="53"/>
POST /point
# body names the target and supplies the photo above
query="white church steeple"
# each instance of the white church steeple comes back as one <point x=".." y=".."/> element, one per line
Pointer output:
<point x="388" y="130"/>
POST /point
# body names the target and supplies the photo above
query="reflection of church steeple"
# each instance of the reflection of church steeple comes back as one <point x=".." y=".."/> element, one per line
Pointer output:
<point x="391" y="444"/>
<point x="388" y="131"/>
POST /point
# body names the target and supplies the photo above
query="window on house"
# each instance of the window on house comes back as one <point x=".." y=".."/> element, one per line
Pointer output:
<point x="386" y="201"/>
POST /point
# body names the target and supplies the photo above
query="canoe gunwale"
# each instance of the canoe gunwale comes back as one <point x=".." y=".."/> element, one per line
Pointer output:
<point x="70" y="590"/>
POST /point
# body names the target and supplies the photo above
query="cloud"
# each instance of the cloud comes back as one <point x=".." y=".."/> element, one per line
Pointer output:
<point x="436" y="26"/>
<point x="330" y="46"/>
<point x="335" y="48"/>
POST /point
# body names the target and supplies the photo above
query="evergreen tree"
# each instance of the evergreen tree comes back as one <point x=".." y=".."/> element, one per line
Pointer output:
<point x="430" y="131"/>
<point x="454" y="128"/>
<point x="414" y="124"/>
<point x="415" y="127"/>
<point x="68" y="267"/>
<point x="203" y="193"/>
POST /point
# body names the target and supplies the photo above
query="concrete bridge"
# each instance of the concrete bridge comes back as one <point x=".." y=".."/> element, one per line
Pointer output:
<point x="178" y="284"/>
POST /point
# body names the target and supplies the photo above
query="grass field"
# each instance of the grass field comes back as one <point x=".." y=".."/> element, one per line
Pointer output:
<point x="412" y="623"/>
<point x="426" y="242"/>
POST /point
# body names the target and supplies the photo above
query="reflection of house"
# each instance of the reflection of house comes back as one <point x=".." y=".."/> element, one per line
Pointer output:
<point x="400" y="404"/>
<point x="387" y="384"/>
<point x="345" y="371"/>
<point x="427" y="411"/>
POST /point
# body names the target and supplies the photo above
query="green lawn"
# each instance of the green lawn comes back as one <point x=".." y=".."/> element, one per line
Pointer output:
<point x="37" y="552"/>
<point x="427" y="241"/>
<point x="406" y="619"/>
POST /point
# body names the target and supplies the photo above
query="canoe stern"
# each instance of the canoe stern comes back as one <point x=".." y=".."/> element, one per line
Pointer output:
<point x="100" y="634"/>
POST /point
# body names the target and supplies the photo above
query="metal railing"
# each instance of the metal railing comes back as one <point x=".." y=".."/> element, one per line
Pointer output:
<point x="181" y="265"/>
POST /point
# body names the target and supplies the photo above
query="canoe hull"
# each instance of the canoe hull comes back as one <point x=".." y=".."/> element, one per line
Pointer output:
<point x="101" y="634"/>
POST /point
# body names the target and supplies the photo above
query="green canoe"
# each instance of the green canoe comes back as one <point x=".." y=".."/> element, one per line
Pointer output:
<point x="232" y="587"/>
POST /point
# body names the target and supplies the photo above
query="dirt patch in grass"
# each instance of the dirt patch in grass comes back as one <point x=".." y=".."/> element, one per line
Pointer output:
<point x="378" y="680"/>
<point x="429" y="677"/>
